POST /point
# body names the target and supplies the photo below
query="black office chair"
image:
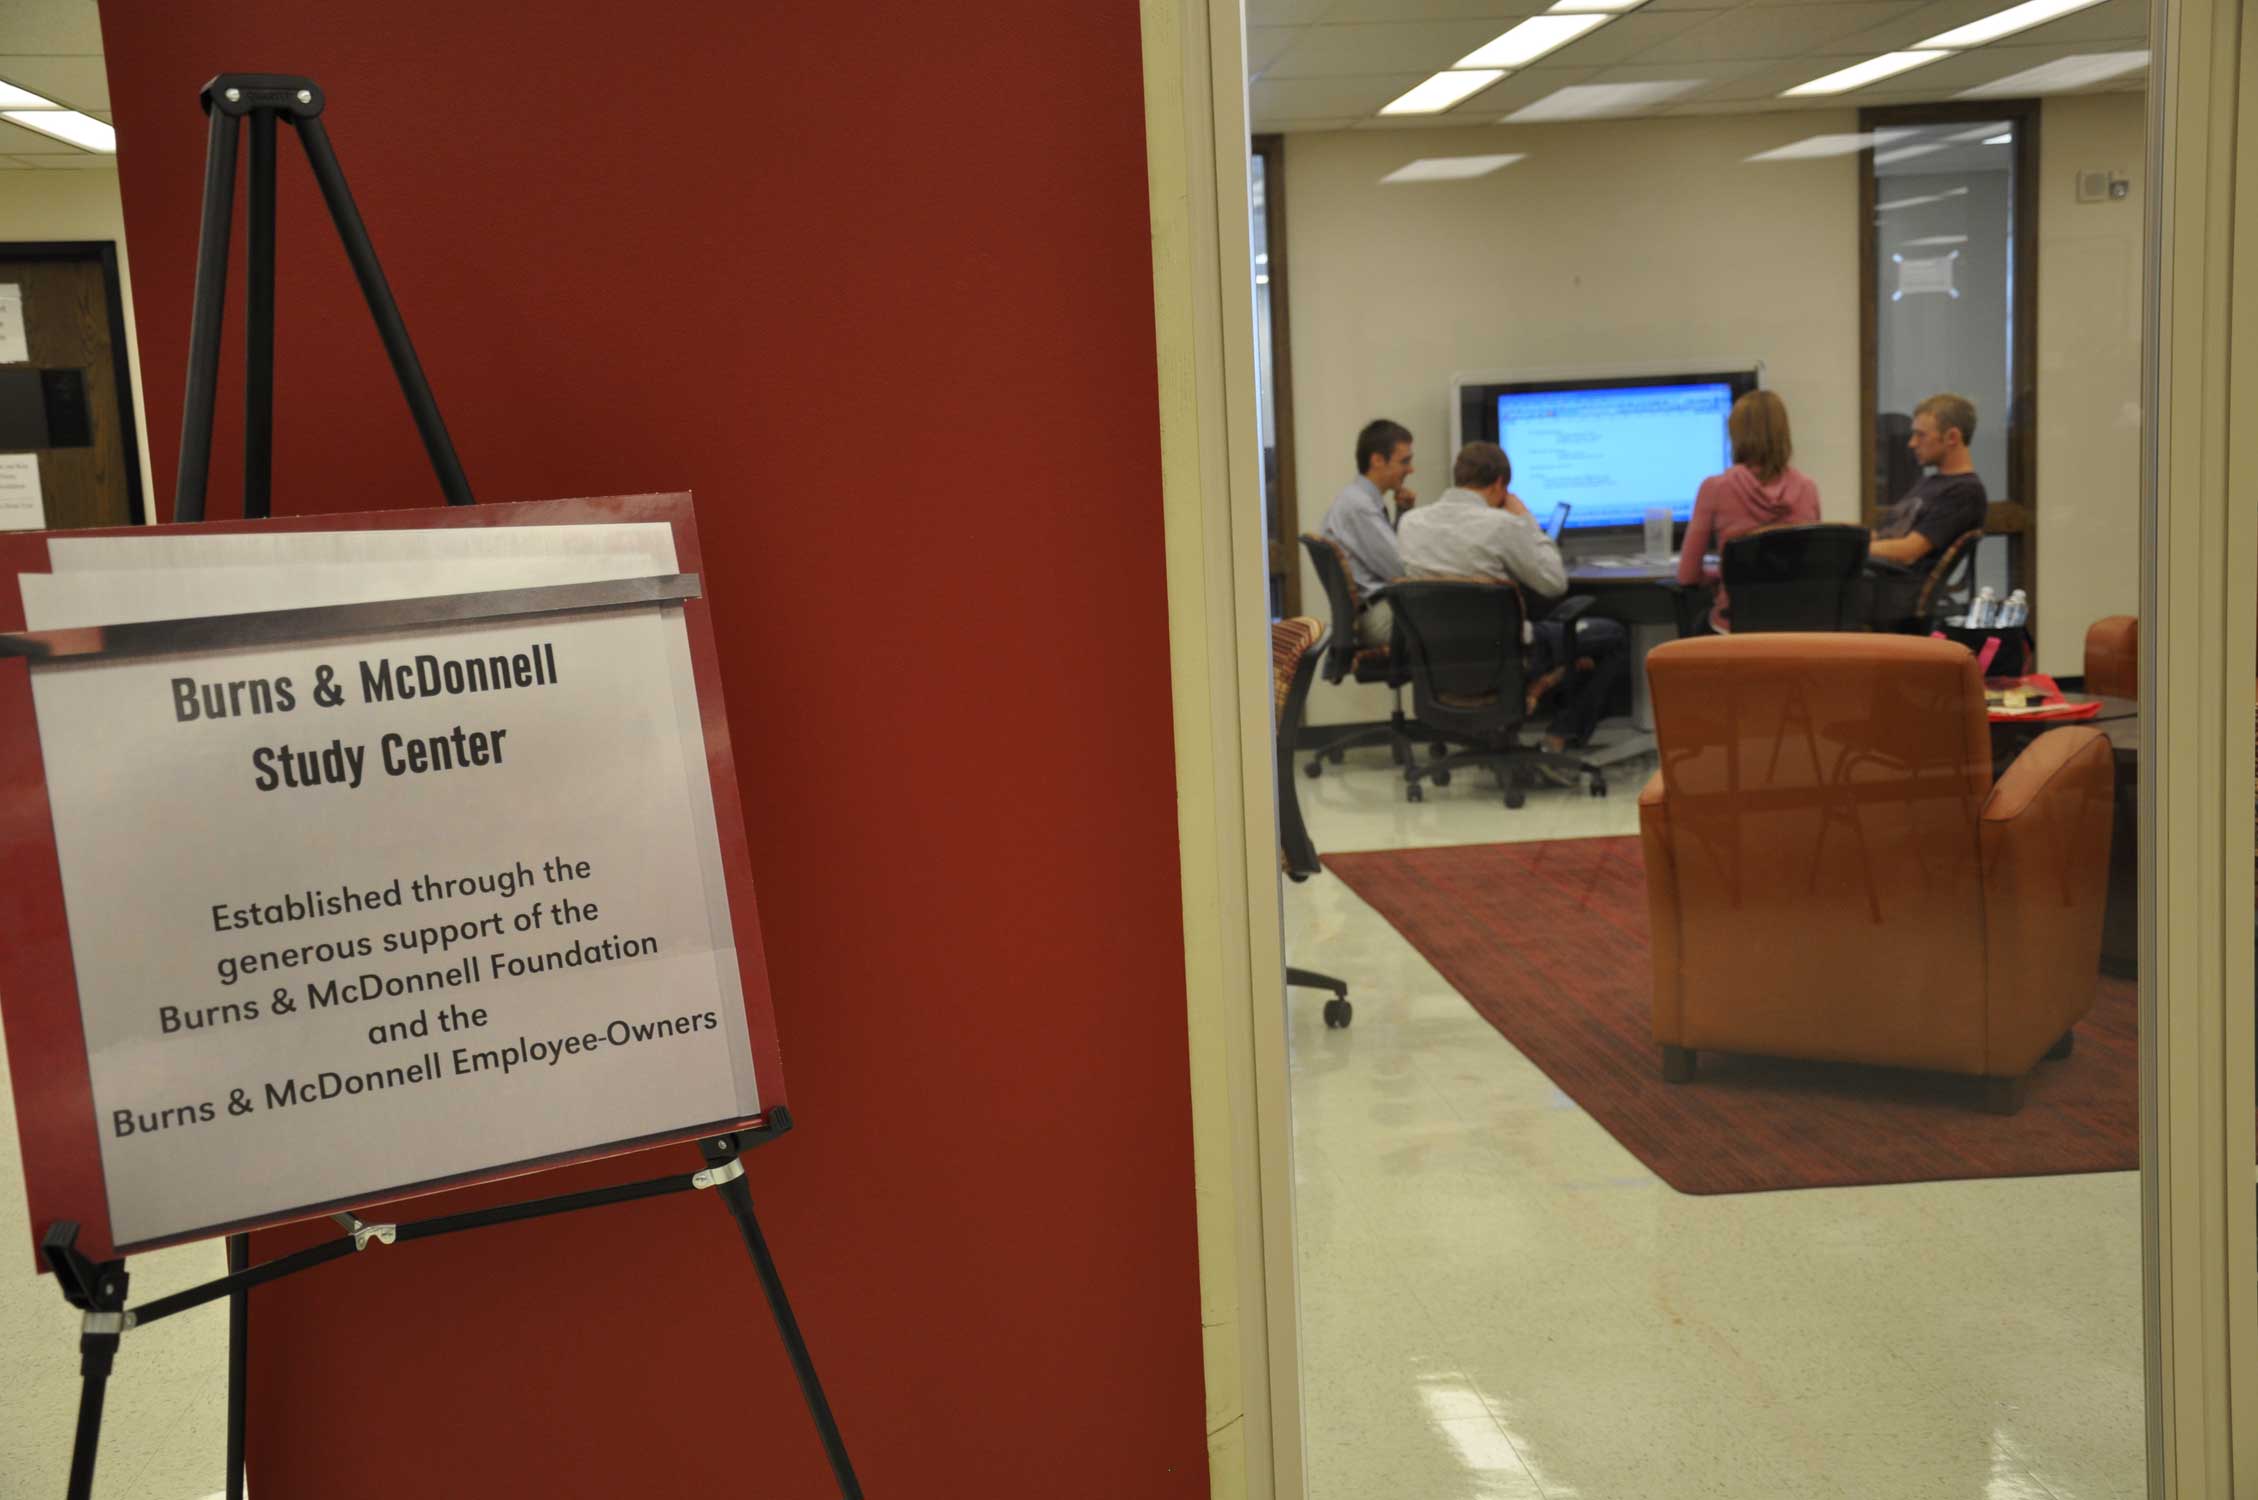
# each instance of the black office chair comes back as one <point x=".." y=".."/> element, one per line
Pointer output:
<point x="1951" y="585"/>
<point x="1896" y="470"/>
<point x="1294" y="648"/>
<point x="1345" y="659"/>
<point x="1463" y="650"/>
<point x="1915" y="600"/>
<point x="1798" y="578"/>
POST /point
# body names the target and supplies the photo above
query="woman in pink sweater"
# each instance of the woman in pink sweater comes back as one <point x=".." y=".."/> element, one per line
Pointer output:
<point x="1761" y="489"/>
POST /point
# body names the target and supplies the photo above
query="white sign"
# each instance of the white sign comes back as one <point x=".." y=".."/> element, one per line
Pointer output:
<point x="361" y="913"/>
<point x="23" y="505"/>
<point x="14" y="347"/>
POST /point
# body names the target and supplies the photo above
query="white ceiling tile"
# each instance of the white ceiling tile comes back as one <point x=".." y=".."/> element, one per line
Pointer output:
<point x="1286" y="12"/>
<point x="1272" y="100"/>
<point x="1266" y="44"/>
<point x="80" y="82"/>
<point x="1502" y="11"/>
<point x="1629" y="37"/>
<point x="77" y="161"/>
<point x="50" y="28"/>
<point x="1334" y="51"/>
<point x="1776" y="31"/>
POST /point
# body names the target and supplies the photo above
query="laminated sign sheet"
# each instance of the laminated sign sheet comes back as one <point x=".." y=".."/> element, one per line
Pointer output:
<point x="363" y="855"/>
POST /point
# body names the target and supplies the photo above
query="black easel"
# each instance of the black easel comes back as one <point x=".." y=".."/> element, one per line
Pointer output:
<point x="99" y="1289"/>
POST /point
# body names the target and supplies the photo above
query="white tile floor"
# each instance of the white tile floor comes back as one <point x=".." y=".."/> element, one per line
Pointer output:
<point x="1499" y="1302"/>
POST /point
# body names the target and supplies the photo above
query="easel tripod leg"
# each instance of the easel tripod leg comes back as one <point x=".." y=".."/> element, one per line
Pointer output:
<point x="738" y="1196"/>
<point x="238" y="1363"/>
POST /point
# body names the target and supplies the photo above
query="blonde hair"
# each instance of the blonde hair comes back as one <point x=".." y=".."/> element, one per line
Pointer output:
<point x="1759" y="430"/>
<point x="1949" y="411"/>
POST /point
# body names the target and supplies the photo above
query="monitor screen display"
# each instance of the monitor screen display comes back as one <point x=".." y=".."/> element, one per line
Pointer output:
<point x="1615" y="451"/>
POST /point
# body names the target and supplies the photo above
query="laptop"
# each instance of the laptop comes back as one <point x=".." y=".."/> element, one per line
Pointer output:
<point x="1556" y="521"/>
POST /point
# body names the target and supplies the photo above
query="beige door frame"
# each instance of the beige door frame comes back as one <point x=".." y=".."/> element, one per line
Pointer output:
<point x="1218" y="612"/>
<point x="2199" y="602"/>
<point x="2198" y="605"/>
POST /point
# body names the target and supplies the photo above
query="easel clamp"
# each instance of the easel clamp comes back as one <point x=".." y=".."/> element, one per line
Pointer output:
<point x="711" y="1177"/>
<point x="362" y="1232"/>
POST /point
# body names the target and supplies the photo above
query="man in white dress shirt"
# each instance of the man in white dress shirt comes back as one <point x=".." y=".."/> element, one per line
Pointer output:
<point x="1481" y="529"/>
<point x="1359" y="521"/>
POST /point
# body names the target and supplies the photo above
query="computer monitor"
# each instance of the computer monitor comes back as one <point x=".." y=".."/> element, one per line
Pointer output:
<point x="1612" y="448"/>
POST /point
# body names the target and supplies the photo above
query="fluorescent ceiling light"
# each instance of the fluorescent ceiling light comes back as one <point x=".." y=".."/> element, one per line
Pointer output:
<point x="1958" y="192"/>
<point x="1906" y="153"/>
<point x="1530" y="40"/>
<point x="67" y="125"/>
<point x="2006" y="23"/>
<point x="1982" y="132"/>
<point x="2000" y="140"/>
<point x="1858" y="75"/>
<point x="1441" y="92"/>
<point x="2062" y="75"/>
<point x="1938" y="239"/>
<point x="1597" y="7"/>
<point x="1450" y="168"/>
<point x="1830" y="145"/>
<point x="12" y="97"/>
<point x="1585" y="101"/>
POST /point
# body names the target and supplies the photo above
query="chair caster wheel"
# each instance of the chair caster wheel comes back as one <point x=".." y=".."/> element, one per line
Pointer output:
<point x="1338" y="1014"/>
<point x="1437" y="752"/>
<point x="1599" y="787"/>
<point x="1314" y="769"/>
<point x="1415" y="793"/>
<point x="1440" y="778"/>
<point x="1338" y="756"/>
<point x="1515" y="797"/>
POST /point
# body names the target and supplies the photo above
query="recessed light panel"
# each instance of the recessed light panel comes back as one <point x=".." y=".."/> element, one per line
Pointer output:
<point x="1594" y="7"/>
<point x="1532" y="39"/>
<point x="83" y="131"/>
<point x="12" y="97"/>
<point x="1441" y="91"/>
<point x="1585" y="101"/>
<point x="2062" y="75"/>
<point x="1450" y="168"/>
<point x="1858" y="75"/>
<point x="2006" y="23"/>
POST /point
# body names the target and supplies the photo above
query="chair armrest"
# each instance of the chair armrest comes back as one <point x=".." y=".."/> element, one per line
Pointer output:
<point x="1662" y="912"/>
<point x="2044" y="834"/>
<point x="1570" y="608"/>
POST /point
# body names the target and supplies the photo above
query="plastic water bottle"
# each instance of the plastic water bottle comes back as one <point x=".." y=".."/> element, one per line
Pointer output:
<point x="2016" y="610"/>
<point x="1984" y="613"/>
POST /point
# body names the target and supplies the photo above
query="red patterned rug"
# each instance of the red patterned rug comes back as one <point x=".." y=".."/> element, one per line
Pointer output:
<point x="1548" y="941"/>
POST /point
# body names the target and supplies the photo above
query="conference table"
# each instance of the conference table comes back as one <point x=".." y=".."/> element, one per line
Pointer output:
<point x="1646" y="598"/>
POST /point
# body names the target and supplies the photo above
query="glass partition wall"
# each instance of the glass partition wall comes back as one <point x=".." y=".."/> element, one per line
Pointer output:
<point x="1741" y="1098"/>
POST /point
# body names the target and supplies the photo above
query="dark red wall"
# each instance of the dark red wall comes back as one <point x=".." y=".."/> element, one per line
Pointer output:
<point x="873" y="280"/>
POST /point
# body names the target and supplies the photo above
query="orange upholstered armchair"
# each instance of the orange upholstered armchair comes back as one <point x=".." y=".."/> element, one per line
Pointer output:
<point x="2113" y="656"/>
<point x="1832" y="874"/>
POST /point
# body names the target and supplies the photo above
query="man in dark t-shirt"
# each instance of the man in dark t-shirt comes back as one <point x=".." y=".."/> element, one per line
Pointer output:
<point x="1937" y="512"/>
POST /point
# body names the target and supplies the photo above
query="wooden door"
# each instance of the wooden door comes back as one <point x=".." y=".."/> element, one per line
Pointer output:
<point x="70" y="402"/>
